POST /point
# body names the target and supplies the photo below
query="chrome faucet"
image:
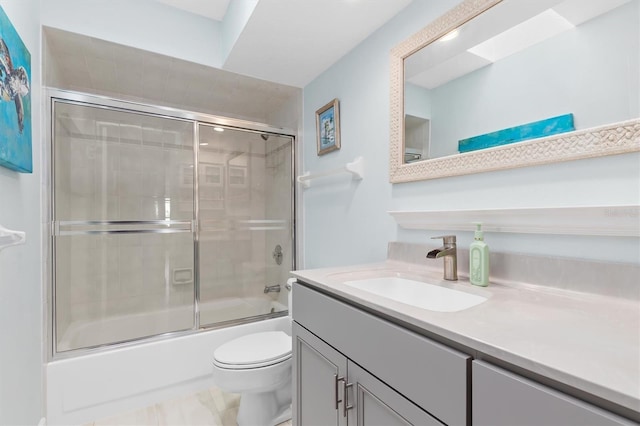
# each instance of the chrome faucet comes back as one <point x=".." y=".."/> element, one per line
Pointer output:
<point x="272" y="288"/>
<point x="450" y="254"/>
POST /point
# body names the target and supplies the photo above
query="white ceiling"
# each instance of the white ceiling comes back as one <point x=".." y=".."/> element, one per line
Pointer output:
<point x="293" y="41"/>
<point x="212" y="9"/>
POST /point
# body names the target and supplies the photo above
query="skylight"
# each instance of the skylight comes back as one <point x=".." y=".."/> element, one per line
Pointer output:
<point x="528" y="33"/>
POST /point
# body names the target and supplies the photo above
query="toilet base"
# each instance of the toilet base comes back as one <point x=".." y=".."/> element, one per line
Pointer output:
<point x="284" y="416"/>
<point x="265" y="408"/>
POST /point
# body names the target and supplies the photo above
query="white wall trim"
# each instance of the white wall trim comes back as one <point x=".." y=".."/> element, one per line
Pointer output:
<point x="620" y="221"/>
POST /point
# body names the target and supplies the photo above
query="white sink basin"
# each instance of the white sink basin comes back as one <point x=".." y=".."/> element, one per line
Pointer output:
<point x="419" y="294"/>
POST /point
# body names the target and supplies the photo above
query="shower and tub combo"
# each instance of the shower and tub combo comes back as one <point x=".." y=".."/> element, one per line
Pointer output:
<point x="171" y="232"/>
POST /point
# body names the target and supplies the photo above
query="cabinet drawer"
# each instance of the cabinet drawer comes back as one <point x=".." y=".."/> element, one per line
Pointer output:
<point x="431" y="375"/>
<point x="501" y="398"/>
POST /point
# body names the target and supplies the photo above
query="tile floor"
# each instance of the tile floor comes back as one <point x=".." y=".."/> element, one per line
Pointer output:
<point x="207" y="408"/>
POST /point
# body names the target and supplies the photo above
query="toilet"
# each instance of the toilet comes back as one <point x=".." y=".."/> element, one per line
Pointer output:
<point x="258" y="367"/>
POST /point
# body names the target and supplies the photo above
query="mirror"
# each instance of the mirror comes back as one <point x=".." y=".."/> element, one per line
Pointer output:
<point x="496" y="84"/>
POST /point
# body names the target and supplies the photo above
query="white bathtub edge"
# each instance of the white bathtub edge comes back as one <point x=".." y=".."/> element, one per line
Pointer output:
<point x="87" y="388"/>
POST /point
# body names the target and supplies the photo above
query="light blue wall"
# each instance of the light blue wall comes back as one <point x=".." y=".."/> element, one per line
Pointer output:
<point x="346" y="222"/>
<point x="417" y="101"/>
<point x="21" y="266"/>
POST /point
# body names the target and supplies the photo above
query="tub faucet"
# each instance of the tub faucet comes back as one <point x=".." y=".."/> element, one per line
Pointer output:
<point x="450" y="254"/>
<point x="272" y="288"/>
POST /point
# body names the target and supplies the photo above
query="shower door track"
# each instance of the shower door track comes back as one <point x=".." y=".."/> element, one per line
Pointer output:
<point x="67" y="228"/>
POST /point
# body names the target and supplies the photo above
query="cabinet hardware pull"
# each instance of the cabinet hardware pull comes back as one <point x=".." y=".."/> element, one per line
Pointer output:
<point x="345" y="405"/>
<point x="336" y="381"/>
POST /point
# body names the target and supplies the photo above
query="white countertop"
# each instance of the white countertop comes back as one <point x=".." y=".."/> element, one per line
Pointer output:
<point x="590" y="342"/>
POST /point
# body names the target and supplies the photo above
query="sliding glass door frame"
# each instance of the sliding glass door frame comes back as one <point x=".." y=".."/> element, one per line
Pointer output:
<point x="54" y="96"/>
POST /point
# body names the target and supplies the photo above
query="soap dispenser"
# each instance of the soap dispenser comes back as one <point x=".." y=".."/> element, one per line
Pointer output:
<point x="479" y="259"/>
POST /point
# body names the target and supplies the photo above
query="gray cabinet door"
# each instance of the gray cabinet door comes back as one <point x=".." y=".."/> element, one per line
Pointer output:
<point x="501" y="398"/>
<point x="317" y="390"/>
<point x="430" y="374"/>
<point x="376" y="404"/>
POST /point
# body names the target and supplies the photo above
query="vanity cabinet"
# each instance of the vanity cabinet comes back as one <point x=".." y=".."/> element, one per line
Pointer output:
<point x="318" y="371"/>
<point x="383" y="373"/>
<point x="502" y="398"/>
<point x="323" y="376"/>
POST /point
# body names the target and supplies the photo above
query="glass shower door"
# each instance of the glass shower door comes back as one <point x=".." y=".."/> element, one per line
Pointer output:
<point x="245" y="238"/>
<point x="123" y="211"/>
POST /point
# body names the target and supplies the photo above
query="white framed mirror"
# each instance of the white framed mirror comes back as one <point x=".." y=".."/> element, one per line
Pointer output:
<point x="490" y="68"/>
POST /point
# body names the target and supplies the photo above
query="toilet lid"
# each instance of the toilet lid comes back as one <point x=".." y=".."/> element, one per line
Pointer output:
<point x="254" y="350"/>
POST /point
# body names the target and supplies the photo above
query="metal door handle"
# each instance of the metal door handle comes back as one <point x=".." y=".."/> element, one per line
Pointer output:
<point x="345" y="405"/>
<point x="336" y="381"/>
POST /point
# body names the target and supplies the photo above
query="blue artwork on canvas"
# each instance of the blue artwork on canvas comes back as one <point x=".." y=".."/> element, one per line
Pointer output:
<point x="537" y="129"/>
<point x="15" y="99"/>
<point x="327" y="129"/>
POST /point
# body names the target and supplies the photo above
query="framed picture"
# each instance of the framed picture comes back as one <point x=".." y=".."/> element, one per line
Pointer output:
<point x="15" y="109"/>
<point x="328" y="127"/>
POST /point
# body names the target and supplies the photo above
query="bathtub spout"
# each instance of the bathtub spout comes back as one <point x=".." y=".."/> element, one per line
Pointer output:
<point x="272" y="288"/>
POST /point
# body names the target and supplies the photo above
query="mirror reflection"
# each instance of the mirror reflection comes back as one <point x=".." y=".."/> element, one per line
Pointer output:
<point x="521" y="70"/>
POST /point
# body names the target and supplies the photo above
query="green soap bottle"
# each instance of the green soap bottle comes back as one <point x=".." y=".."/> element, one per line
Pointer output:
<point x="479" y="259"/>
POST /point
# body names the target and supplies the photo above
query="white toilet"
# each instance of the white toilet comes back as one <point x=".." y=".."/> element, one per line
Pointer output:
<point x="258" y="367"/>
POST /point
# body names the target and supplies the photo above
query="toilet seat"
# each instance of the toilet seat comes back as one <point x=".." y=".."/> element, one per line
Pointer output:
<point x="254" y="351"/>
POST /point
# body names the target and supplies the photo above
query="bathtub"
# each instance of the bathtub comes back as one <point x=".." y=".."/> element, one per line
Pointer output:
<point x="96" y="385"/>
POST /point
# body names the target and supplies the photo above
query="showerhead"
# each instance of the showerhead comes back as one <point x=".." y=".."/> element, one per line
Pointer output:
<point x="264" y="136"/>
